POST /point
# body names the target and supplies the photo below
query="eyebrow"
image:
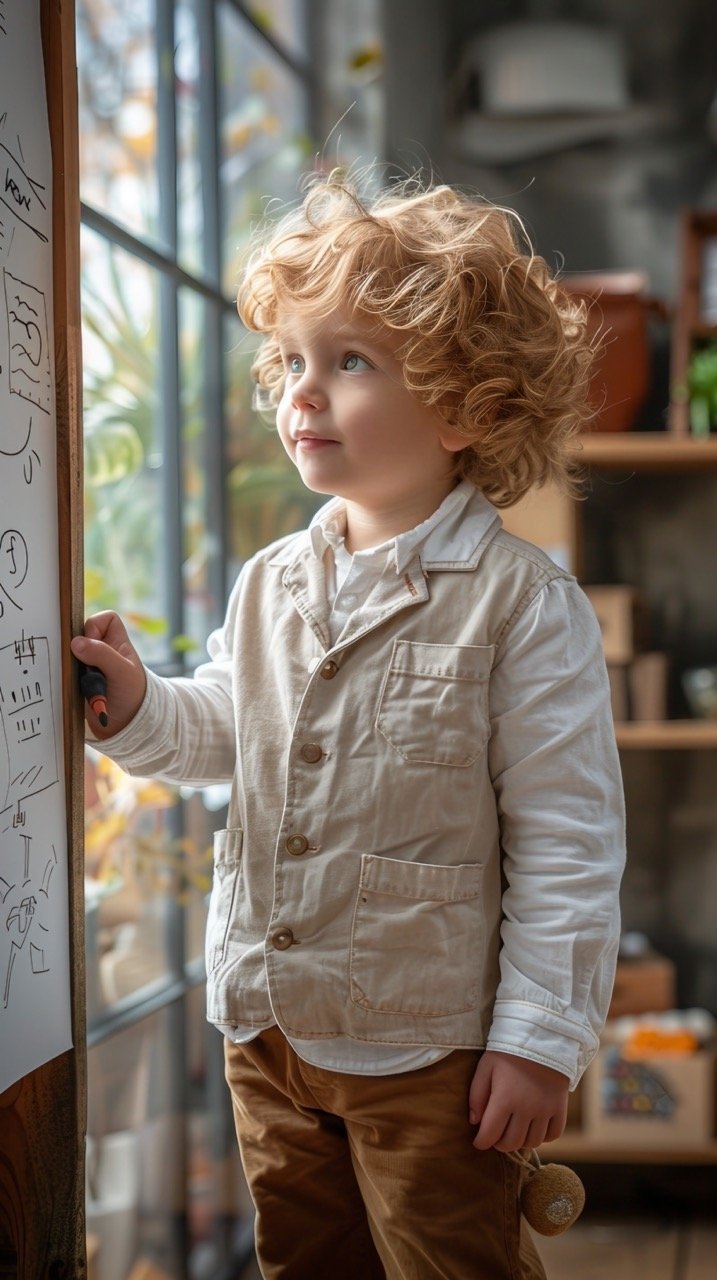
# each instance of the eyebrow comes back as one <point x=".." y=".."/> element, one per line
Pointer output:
<point x="344" y="335"/>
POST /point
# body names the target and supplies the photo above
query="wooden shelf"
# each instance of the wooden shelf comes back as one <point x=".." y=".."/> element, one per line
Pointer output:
<point x="667" y="735"/>
<point x="578" y="1147"/>
<point x="648" y="451"/>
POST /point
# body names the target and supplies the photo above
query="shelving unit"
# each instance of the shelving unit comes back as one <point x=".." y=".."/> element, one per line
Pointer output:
<point x="667" y="735"/>
<point x="622" y="458"/>
<point x="648" y="451"/>
<point x="574" y="1146"/>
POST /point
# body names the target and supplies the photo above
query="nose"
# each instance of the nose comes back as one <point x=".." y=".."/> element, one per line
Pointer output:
<point x="307" y="391"/>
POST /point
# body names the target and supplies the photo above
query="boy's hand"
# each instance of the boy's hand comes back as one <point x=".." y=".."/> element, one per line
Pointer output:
<point x="106" y="645"/>
<point x="516" y="1103"/>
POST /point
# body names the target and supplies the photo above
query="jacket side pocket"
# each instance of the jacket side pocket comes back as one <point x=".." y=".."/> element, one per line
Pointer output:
<point x="227" y="862"/>
<point x="417" y="938"/>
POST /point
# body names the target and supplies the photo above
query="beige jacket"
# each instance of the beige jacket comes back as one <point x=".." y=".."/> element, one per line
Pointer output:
<point x="383" y="827"/>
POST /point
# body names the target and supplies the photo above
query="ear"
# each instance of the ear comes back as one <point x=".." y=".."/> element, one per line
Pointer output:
<point x="451" y="438"/>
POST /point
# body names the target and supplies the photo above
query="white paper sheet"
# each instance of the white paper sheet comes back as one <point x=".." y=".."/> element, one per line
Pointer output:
<point x="34" y="924"/>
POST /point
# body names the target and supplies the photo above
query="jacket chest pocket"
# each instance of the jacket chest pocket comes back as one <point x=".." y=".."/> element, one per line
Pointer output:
<point x="227" y="864"/>
<point x="433" y="707"/>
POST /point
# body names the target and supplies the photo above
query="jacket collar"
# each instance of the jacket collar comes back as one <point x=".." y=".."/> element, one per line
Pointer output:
<point x="455" y="542"/>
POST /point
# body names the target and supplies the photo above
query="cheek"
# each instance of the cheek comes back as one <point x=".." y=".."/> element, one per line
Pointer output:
<point x="282" y="422"/>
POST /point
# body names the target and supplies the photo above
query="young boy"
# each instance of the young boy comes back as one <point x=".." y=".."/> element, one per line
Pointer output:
<point x="414" y="919"/>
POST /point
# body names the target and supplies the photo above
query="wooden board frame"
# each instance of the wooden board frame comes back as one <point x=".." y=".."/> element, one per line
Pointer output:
<point x="42" y="1116"/>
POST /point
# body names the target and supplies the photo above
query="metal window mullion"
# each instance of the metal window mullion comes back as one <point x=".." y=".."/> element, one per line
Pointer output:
<point x="215" y="457"/>
<point x="209" y="143"/>
<point x="166" y="126"/>
<point x="173" y="531"/>
<point x="313" y="19"/>
<point x="299" y="68"/>
<point x="213" y="381"/>
<point x="149" y="254"/>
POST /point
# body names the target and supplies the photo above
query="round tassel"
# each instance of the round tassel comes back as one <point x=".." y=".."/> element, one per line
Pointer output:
<point x="552" y="1197"/>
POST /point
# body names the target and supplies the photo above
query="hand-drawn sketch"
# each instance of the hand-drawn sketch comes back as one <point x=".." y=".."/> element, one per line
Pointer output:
<point x="31" y="458"/>
<point x="23" y="908"/>
<point x="28" y="341"/>
<point x="34" y="915"/>
<point x="13" y="567"/>
<point x="20" y="193"/>
<point x="27" y="720"/>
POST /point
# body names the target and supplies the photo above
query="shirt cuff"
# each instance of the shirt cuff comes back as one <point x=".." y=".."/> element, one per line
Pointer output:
<point x="142" y="728"/>
<point x="541" y="1035"/>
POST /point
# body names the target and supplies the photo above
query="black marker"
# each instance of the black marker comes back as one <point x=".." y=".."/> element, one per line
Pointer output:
<point x="93" y="686"/>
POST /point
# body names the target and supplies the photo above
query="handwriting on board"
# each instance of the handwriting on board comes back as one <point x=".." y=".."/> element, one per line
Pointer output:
<point x="34" y="930"/>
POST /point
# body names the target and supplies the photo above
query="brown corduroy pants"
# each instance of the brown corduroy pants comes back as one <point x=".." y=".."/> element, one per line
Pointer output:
<point x="372" y="1177"/>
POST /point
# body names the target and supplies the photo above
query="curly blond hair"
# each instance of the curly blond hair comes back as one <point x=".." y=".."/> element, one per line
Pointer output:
<point x="487" y="336"/>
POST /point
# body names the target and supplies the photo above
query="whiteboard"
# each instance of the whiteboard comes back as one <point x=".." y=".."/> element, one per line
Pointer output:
<point x="35" y="1011"/>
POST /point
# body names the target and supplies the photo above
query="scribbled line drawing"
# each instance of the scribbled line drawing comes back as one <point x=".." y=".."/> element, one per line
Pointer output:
<point x="3" y="19"/>
<point x="27" y="719"/>
<point x="32" y="456"/>
<point x="20" y="193"/>
<point x="23" y="906"/>
<point x="28" y="339"/>
<point x="13" y="567"/>
<point x="5" y="244"/>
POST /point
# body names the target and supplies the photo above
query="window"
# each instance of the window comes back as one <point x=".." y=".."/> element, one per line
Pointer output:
<point x="191" y="112"/>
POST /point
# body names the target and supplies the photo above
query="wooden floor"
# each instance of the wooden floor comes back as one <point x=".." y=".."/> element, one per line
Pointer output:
<point x="604" y="1249"/>
<point x="612" y="1249"/>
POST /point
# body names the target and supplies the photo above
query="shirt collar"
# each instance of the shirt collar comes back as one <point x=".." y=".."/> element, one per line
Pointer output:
<point x="431" y="537"/>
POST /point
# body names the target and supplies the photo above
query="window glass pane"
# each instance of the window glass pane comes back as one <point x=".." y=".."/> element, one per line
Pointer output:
<point x="135" y="862"/>
<point x="117" y="65"/>
<point x="204" y="813"/>
<point x="166" y="1196"/>
<point x="283" y="20"/>
<point x="266" y="497"/>
<point x="201" y="509"/>
<point x="124" y="537"/>
<point x="264" y="145"/>
<point x="187" y="65"/>
<point x="218" y="1202"/>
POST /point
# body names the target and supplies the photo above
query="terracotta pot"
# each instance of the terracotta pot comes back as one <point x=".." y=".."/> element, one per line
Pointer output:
<point x="618" y="307"/>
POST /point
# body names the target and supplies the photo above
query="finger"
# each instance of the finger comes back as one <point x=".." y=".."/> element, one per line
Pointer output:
<point x="536" y="1134"/>
<point x="555" y="1127"/>
<point x="97" y="653"/>
<point x="479" y="1092"/>
<point x="99" y="625"/>
<point x="492" y="1127"/>
<point x="514" y="1136"/>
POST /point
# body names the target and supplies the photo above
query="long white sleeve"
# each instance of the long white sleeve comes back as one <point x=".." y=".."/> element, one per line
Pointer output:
<point x="556" y="774"/>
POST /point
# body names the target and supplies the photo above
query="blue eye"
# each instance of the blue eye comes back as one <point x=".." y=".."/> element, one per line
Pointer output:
<point x="354" y="362"/>
<point x="296" y="364"/>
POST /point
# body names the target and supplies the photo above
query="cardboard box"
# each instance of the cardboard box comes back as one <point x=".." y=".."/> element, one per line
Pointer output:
<point x="648" y="686"/>
<point x="547" y="517"/>
<point x="619" y="692"/>
<point x="622" y="614"/>
<point x="661" y="1102"/>
<point x="644" y="985"/>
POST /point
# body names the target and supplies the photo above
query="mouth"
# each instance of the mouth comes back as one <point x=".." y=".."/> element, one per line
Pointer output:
<point x="311" y="443"/>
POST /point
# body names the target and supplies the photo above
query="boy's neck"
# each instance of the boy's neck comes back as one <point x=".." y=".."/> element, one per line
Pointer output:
<point x="369" y="527"/>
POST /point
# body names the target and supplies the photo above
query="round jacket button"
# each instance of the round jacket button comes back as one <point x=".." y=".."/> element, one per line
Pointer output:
<point x="282" y="939"/>
<point x="311" y="752"/>
<point x="329" y="669"/>
<point x="297" y="845"/>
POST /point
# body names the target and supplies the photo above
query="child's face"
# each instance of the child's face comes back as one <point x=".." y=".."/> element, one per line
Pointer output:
<point x="347" y="420"/>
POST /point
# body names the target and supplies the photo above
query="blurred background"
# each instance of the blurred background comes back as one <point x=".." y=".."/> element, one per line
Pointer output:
<point x="597" y="121"/>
